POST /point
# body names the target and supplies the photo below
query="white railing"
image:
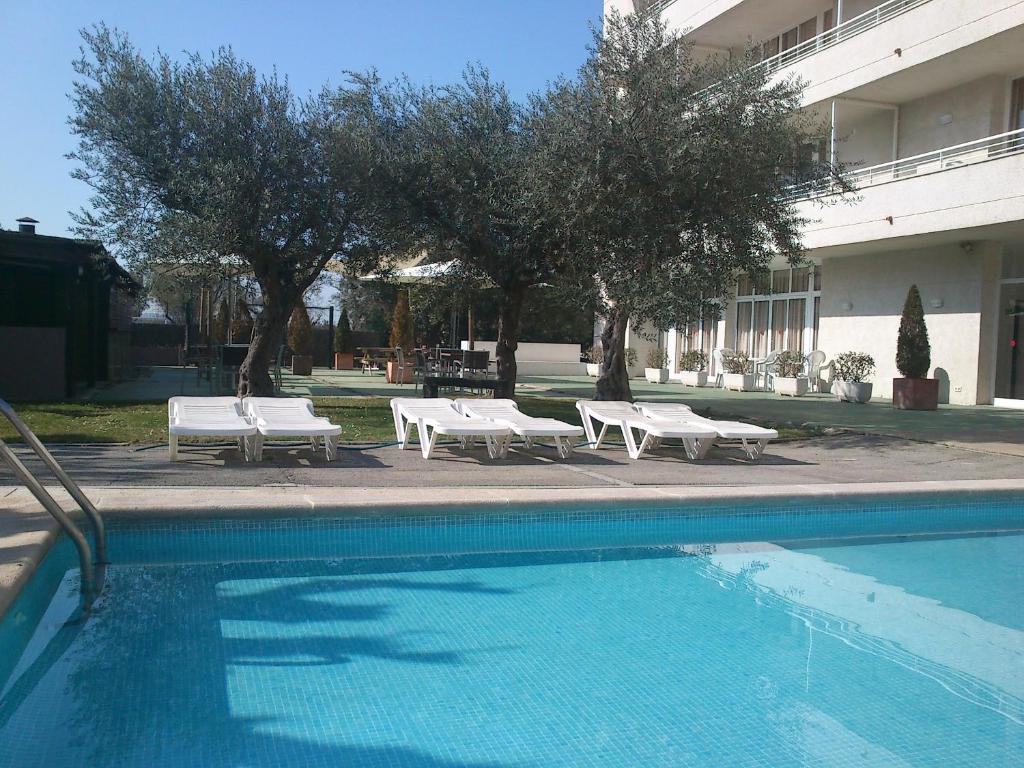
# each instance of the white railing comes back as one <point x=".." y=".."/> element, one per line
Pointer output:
<point x="865" y="21"/>
<point x="968" y="153"/>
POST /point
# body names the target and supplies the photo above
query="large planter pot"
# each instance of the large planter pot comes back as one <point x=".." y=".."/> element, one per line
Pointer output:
<point x="740" y="382"/>
<point x="407" y="374"/>
<point x="915" y="394"/>
<point x="694" y="378"/>
<point x="852" y="391"/>
<point x="656" y="375"/>
<point x="792" y="386"/>
<point x="344" y="361"/>
<point x="302" y="365"/>
<point x="594" y="369"/>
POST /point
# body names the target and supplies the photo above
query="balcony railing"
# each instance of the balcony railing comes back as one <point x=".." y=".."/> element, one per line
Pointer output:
<point x="865" y="21"/>
<point x="968" y="153"/>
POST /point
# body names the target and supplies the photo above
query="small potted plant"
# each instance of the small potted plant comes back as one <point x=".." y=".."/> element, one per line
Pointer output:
<point x="657" y="366"/>
<point x="343" y="357"/>
<point x="849" y="373"/>
<point x="914" y="392"/>
<point x="693" y="366"/>
<point x="789" y="366"/>
<point x="300" y="339"/>
<point x="737" y="374"/>
<point x="594" y="357"/>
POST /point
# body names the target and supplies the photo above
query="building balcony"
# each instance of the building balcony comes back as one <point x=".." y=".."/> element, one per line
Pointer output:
<point x="962" y="187"/>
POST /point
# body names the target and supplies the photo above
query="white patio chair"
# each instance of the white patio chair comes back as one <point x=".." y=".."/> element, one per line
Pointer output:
<point x="818" y="369"/>
<point x="716" y="357"/>
<point x="438" y="416"/>
<point x="208" y="417"/>
<point x="507" y="414"/>
<point x="765" y="369"/>
<point x="626" y="418"/>
<point x="753" y="439"/>
<point x="290" y="417"/>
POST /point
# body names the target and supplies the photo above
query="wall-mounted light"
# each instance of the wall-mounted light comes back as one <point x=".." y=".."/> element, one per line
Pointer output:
<point x="936" y="303"/>
<point x="847" y="306"/>
<point x="945" y="119"/>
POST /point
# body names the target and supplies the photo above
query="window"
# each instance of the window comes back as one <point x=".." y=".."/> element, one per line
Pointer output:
<point x="1017" y="104"/>
<point x="808" y="29"/>
<point x="827" y="20"/>
<point x="789" y="39"/>
<point x="771" y="48"/>
<point x="787" y="318"/>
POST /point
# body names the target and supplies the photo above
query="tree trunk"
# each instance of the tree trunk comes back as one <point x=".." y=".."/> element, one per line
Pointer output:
<point x="254" y="377"/>
<point x="613" y="381"/>
<point x="509" y="315"/>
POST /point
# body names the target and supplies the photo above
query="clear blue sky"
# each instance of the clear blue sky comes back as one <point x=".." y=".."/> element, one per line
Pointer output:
<point x="526" y="43"/>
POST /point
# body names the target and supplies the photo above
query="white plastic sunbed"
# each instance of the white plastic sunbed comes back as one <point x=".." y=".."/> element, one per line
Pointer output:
<point x="507" y="414"/>
<point x="208" y="417"/>
<point x="753" y="438"/>
<point x="290" y="417"/>
<point x="438" y="416"/>
<point x="622" y="415"/>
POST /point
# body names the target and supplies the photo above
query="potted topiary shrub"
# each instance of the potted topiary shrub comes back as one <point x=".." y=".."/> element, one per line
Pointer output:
<point x="693" y="366"/>
<point x="849" y="373"/>
<point x="788" y="381"/>
<point x="594" y="357"/>
<point x="914" y="392"/>
<point x="657" y="366"/>
<point x="401" y="337"/>
<point x="300" y="339"/>
<point x="737" y="374"/>
<point x="343" y="357"/>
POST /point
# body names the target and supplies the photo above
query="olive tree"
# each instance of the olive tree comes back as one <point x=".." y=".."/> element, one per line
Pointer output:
<point x="453" y="167"/>
<point x="668" y="174"/>
<point x="203" y="161"/>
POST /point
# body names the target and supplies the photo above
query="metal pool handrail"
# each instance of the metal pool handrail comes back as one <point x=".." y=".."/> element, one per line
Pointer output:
<point x="89" y="581"/>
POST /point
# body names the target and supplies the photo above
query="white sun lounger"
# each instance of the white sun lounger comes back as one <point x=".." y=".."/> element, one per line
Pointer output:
<point x="622" y="415"/>
<point x="438" y="416"/>
<point x="507" y="414"/>
<point x="208" y="417"/>
<point x="753" y="438"/>
<point x="290" y="417"/>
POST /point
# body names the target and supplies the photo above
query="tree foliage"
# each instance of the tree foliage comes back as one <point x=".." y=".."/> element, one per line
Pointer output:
<point x="913" y="350"/>
<point x="453" y="167"/>
<point x="202" y="163"/>
<point x="401" y="323"/>
<point x="300" y="331"/>
<point x="667" y="172"/>
<point x="343" y="334"/>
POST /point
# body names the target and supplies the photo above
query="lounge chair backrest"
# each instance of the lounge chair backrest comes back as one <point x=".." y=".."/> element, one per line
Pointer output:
<point x="203" y="409"/>
<point x="279" y="408"/>
<point x="664" y="409"/>
<point x="610" y="407"/>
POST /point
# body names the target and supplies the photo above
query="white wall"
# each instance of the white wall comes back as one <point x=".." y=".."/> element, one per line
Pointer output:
<point x="874" y="288"/>
<point x="977" y="109"/>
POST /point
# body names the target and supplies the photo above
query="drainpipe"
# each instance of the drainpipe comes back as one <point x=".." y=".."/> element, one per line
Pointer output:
<point x="895" y="133"/>
<point x="839" y="12"/>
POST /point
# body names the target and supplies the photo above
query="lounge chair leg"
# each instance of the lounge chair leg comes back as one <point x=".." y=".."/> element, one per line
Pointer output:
<point x="400" y="428"/>
<point x="704" y="446"/>
<point x="755" y="451"/>
<point x="314" y="443"/>
<point x="427" y="443"/>
<point x="588" y="426"/>
<point x="172" y="446"/>
<point x="257" y="447"/>
<point x="331" y="447"/>
<point x="600" y="437"/>
<point x="632" y="448"/>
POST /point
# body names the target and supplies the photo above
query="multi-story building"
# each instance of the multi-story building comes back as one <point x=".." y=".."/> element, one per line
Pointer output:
<point x="923" y="102"/>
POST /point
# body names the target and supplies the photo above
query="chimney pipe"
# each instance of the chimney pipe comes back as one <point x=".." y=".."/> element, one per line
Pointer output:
<point x="27" y="225"/>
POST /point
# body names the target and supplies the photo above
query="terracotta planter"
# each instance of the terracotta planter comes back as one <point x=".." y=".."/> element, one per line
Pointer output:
<point x="740" y="382"/>
<point x="302" y="365"/>
<point x="791" y="386"/>
<point x="407" y="377"/>
<point x="694" y="378"/>
<point x="344" y="361"/>
<point x="852" y="391"/>
<point x="594" y="369"/>
<point x="915" y="394"/>
<point x="656" y="375"/>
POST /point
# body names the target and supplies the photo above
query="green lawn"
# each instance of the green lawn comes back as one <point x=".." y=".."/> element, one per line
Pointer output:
<point x="364" y="419"/>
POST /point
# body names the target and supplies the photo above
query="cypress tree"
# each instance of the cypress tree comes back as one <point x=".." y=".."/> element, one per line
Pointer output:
<point x="401" y="323"/>
<point x="343" y="334"/>
<point x="913" y="352"/>
<point x="300" y="331"/>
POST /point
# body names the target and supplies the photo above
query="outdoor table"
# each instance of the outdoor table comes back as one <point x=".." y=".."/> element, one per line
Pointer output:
<point x="432" y="384"/>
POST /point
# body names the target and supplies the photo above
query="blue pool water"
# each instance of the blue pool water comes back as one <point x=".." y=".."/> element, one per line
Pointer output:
<point x="883" y="635"/>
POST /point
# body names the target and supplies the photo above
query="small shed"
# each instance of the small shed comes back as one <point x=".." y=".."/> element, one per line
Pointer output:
<point x="65" y="315"/>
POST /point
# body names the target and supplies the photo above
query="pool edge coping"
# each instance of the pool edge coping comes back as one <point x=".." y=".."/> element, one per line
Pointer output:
<point x="185" y="503"/>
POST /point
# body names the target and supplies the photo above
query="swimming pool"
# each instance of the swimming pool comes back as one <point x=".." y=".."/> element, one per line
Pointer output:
<point x="882" y="632"/>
